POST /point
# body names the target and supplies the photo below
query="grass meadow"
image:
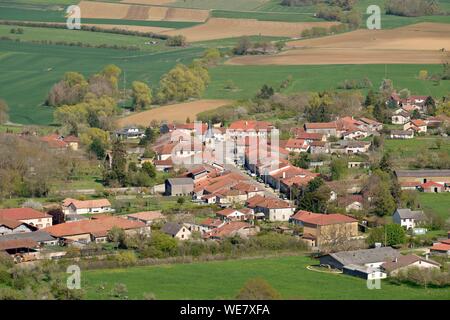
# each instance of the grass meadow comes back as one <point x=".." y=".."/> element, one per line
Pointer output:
<point x="438" y="203"/>
<point x="223" y="279"/>
<point x="249" y="79"/>
<point x="28" y="71"/>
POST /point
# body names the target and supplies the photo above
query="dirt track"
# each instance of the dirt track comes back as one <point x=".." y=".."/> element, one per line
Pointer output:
<point x="420" y="43"/>
<point x="220" y="28"/>
<point x="175" y="112"/>
<point x="149" y="2"/>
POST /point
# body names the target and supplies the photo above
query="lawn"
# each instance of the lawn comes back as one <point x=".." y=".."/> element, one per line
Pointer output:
<point x="223" y="279"/>
<point x="28" y="71"/>
<point x="249" y="79"/>
<point x="438" y="203"/>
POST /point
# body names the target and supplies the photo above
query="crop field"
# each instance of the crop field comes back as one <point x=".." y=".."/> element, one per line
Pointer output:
<point x="219" y="28"/>
<point x="28" y="71"/>
<point x="420" y="43"/>
<point x="249" y="79"/>
<point x="438" y="203"/>
<point x="288" y="275"/>
<point x="237" y="5"/>
<point x="170" y="113"/>
<point x="266" y="16"/>
<point x="78" y="36"/>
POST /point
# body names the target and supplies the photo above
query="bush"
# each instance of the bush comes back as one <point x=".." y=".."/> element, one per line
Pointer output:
<point x="177" y="41"/>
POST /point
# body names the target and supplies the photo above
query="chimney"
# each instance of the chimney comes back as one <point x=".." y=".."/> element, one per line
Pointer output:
<point x="284" y="174"/>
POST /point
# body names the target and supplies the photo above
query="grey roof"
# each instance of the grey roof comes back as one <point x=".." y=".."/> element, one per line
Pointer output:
<point x="171" y="228"/>
<point x="181" y="181"/>
<point x="361" y="257"/>
<point x="423" y="173"/>
<point x="38" y="236"/>
<point x="402" y="132"/>
<point x="409" y="214"/>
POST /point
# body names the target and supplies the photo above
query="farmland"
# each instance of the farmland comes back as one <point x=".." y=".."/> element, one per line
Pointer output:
<point x="288" y="275"/>
<point x="176" y="112"/>
<point x="27" y="72"/>
<point x="438" y="203"/>
<point x="249" y="79"/>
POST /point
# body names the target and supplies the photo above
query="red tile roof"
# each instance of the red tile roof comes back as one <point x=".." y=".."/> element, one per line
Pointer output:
<point x="97" y="227"/>
<point x="321" y="125"/>
<point x="19" y="243"/>
<point x="322" y="219"/>
<point x="246" y="125"/>
<point x="86" y="204"/>
<point x="22" y="214"/>
<point x="147" y="215"/>
<point x="296" y="144"/>
<point x="430" y="184"/>
<point x="228" y="229"/>
<point x="10" y="223"/>
<point x="440" y="247"/>
<point x="266" y="202"/>
<point x="418" y="122"/>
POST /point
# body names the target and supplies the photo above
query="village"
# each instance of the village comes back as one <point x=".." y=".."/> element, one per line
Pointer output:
<point x="242" y="181"/>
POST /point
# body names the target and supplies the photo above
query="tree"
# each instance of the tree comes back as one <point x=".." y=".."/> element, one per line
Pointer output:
<point x="4" y="109"/>
<point x="302" y="160"/>
<point x="386" y="87"/>
<point x="371" y="98"/>
<point x="211" y="56"/>
<point x="176" y="41"/>
<point x="119" y="162"/>
<point x="338" y="169"/>
<point x="141" y="94"/>
<point x="390" y="235"/>
<point x="58" y="216"/>
<point x="430" y="105"/>
<point x="381" y="189"/>
<point x="258" y="289"/>
<point x="242" y="46"/>
<point x="266" y="92"/>
<point x="70" y="90"/>
<point x="314" y="197"/>
<point x="112" y="73"/>
<point x="97" y="148"/>
<point x="118" y="236"/>
<point x="149" y="169"/>
<point x="149" y="137"/>
<point x="404" y="93"/>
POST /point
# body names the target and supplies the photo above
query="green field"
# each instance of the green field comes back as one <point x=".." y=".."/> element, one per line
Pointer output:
<point x="237" y="5"/>
<point x="438" y="203"/>
<point x="28" y="71"/>
<point x="223" y="279"/>
<point x="78" y="36"/>
<point x="408" y="148"/>
<point x="249" y="79"/>
<point x="266" y="16"/>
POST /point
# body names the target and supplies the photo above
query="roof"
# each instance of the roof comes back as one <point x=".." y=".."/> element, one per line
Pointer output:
<point x="22" y="214"/>
<point x="296" y="143"/>
<point x="85" y="204"/>
<point x="418" y="122"/>
<point x="369" y="121"/>
<point x="228" y="211"/>
<point x="211" y="222"/>
<point x="409" y="214"/>
<point x="171" y="228"/>
<point x="228" y="229"/>
<point x="181" y="181"/>
<point x="322" y="219"/>
<point x="363" y="256"/>
<point x="440" y="247"/>
<point x="97" y="227"/>
<point x="423" y="173"/>
<point x="430" y="184"/>
<point x="147" y="215"/>
<point x="54" y="141"/>
<point x="20" y="243"/>
<point x="247" y="125"/>
<point x="38" y="236"/>
<point x="321" y="125"/>
<point x="267" y="202"/>
<point x="301" y="134"/>
<point x="404" y="261"/>
<point x="10" y="223"/>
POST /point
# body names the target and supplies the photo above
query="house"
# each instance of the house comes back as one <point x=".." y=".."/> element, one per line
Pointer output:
<point x="249" y="128"/>
<point x="323" y="229"/>
<point x="319" y="147"/>
<point x="41" y="237"/>
<point x="300" y="133"/>
<point x="8" y="226"/>
<point x="423" y="176"/>
<point x="207" y="225"/>
<point x="431" y="186"/>
<point x="297" y="145"/>
<point x="328" y="129"/>
<point x="176" y="230"/>
<point x="440" y="248"/>
<point x="401" y="117"/>
<point x="22" y="250"/>
<point x="401" y="263"/>
<point x="95" y="230"/>
<point x="56" y="141"/>
<point x="370" y="124"/>
<point x="231" y="229"/>
<point x="402" y="134"/>
<point x="179" y="186"/>
<point x="29" y="216"/>
<point x="163" y="165"/>
<point x="230" y="214"/>
<point x="147" y="217"/>
<point x="365" y="263"/>
<point x="351" y="202"/>
<point x="274" y="209"/>
<point x="350" y="147"/>
<point x="130" y="133"/>
<point x="73" y="206"/>
<point x="408" y="219"/>
<point x="417" y="125"/>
